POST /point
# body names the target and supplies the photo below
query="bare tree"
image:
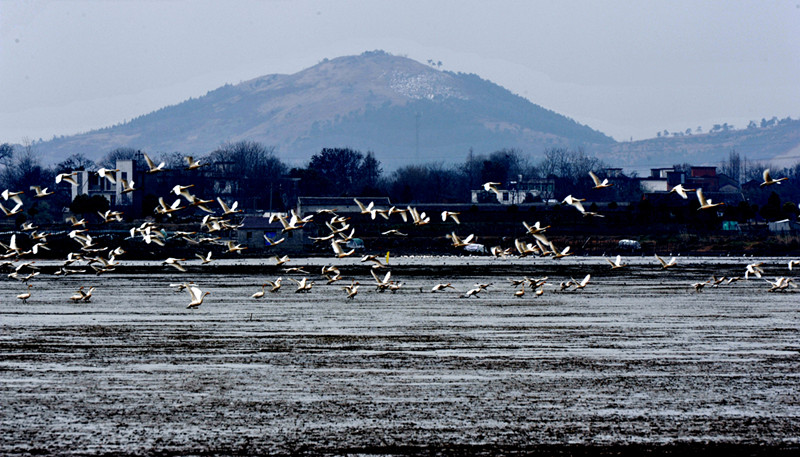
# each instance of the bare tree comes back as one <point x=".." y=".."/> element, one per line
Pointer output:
<point x="733" y="166"/>
<point x="75" y="162"/>
<point x="245" y="170"/>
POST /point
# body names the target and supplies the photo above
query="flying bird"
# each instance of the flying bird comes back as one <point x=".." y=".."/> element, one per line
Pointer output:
<point x="706" y="204"/>
<point x="768" y="181"/>
<point x="617" y="263"/>
<point x="491" y="187"/>
<point x="682" y="191"/>
<point x="196" y="295"/>
<point x="153" y="168"/>
<point x="597" y="183"/>
<point x="664" y="265"/>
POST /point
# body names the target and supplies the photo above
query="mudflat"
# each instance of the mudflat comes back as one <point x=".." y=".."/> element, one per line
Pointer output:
<point x="637" y="361"/>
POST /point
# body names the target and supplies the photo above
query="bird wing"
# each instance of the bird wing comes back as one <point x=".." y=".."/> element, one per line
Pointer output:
<point x="194" y="292"/>
<point x="701" y="198"/>
<point x="149" y="161"/>
<point x="594" y="178"/>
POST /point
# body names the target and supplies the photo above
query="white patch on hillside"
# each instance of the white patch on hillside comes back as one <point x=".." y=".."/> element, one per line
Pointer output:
<point x="424" y="86"/>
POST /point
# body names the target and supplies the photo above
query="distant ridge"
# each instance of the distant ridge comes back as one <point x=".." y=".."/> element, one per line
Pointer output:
<point x="777" y="143"/>
<point x="400" y="109"/>
<point x="405" y="112"/>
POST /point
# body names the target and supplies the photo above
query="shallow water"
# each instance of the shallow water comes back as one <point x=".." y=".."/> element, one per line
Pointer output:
<point x="637" y="357"/>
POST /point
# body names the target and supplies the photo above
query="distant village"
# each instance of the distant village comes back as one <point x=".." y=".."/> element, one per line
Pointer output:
<point x="247" y="177"/>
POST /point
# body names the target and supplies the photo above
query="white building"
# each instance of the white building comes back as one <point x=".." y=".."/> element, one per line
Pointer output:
<point x="90" y="183"/>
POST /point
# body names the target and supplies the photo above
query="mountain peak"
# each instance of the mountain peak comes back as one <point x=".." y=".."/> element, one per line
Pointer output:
<point x="399" y="108"/>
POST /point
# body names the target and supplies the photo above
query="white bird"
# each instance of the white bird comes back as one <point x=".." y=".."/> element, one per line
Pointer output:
<point x="417" y="217"/>
<point x="205" y="259"/>
<point x="163" y="208"/>
<point x="80" y="295"/>
<point x="576" y="202"/>
<point x="67" y="177"/>
<point x="127" y="186"/>
<point x="175" y="263"/>
<point x="523" y="248"/>
<point x="226" y="210"/>
<point x="682" y="191"/>
<point x="559" y="254"/>
<point x="351" y="290"/>
<point x="304" y="285"/>
<point x="698" y="286"/>
<point x="178" y="189"/>
<point x="288" y="225"/>
<point x="617" y="263"/>
<point x="260" y="294"/>
<point x="6" y="194"/>
<point x="234" y="247"/>
<point x="597" y="183"/>
<point x="382" y="284"/>
<point x="193" y="164"/>
<point x="197" y="296"/>
<point x="25" y="296"/>
<point x="16" y="210"/>
<point x="283" y="259"/>
<point x="41" y="192"/>
<point x="452" y="215"/>
<point x="491" y="187"/>
<point x="275" y="285"/>
<point x="273" y="242"/>
<point x="664" y="265"/>
<point x="402" y="212"/>
<point x="497" y="251"/>
<point x="753" y="269"/>
<point x="108" y="174"/>
<point x="441" y="286"/>
<point x="582" y="284"/>
<point x="110" y="216"/>
<point x="781" y="283"/>
<point x="77" y="296"/>
<point x="535" y="228"/>
<point x="364" y="209"/>
<point x="473" y="292"/>
<point x="706" y="204"/>
<point x="153" y="168"/>
<point x="792" y="263"/>
<point x="458" y="242"/>
<point x="768" y="181"/>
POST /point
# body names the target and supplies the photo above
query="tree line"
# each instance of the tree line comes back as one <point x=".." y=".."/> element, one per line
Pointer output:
<point x="252" y="174"/>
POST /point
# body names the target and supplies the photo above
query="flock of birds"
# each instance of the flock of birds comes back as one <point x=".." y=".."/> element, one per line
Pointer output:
<point x="100" y="259"/>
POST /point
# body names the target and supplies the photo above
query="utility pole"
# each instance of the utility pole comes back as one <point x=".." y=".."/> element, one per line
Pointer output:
<point x="416" y="122"/>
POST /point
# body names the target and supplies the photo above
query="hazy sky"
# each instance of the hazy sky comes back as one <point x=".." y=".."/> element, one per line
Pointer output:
<point x="627" y="68"/>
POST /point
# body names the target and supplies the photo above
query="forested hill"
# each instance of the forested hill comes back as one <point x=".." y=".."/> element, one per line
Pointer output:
<point x="402" y="110"/>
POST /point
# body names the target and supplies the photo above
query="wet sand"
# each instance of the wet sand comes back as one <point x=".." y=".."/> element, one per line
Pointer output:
<point x="636" y="362"/>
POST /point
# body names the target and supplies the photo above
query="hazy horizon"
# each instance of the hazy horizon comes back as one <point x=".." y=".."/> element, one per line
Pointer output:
<point x="627" y="69"/>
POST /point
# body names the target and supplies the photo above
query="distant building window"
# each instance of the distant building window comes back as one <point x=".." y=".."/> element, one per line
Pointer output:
<point x="505" y="196"/>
